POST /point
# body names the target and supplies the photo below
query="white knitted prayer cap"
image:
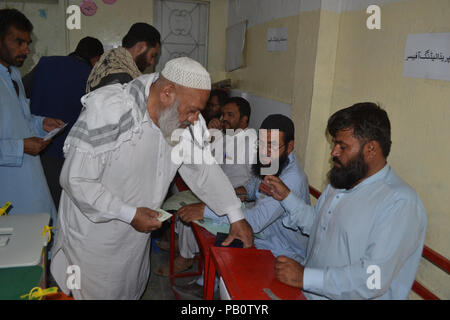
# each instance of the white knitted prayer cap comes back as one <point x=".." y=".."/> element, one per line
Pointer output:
<point x="187" y="72"/>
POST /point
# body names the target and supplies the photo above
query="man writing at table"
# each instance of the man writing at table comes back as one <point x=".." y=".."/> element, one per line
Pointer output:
<point x="368" y="227"/>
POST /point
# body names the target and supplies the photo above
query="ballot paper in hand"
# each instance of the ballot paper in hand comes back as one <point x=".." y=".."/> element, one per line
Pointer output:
<point x="54" y="132"/>
<point x="164" y="215"/>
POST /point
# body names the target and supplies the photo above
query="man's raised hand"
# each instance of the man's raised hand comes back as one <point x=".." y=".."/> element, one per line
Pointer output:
<point x="276" y="188"/>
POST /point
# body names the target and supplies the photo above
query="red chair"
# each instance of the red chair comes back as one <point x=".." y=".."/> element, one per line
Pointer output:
<point x="205" y="241"/>
<point x="172" y="275"/>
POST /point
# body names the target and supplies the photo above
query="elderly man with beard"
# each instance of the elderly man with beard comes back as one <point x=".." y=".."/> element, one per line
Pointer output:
<point x="368" y="227"/>
<point x="265" y="214"/>
<point x="236" y="164"/>
<point x="117" y="172"/>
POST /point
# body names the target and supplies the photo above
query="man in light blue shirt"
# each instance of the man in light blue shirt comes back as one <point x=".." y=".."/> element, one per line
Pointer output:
<point x="22" y="178"/>
<point x="265" y="215"/>
<point x="367" y="229"/>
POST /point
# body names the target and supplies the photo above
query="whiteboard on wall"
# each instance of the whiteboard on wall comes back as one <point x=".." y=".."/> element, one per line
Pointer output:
<point x="184" y="30"/>
<point x="261" y="107"/>
<point x="262" y="11"/>
<point x="235" y="45"/>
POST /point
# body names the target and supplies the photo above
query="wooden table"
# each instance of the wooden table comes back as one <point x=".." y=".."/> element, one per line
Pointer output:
<point x="246" y="273"/>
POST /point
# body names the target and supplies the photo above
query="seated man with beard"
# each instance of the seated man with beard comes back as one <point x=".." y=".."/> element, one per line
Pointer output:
<point x="367" y="229"/>
<point x="266" y="215"/>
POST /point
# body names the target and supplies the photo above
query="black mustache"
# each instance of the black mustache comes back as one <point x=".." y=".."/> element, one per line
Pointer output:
<point x="336" y="160"/>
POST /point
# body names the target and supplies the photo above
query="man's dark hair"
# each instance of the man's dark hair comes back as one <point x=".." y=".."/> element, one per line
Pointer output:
<point x="89" y="48"/>
<point x="13" y="18"/>
<point x="222" y="96"/>
<point x="141" y="32"/>
<point x="282" y="123"/>
<point x="368" y="121"/>
<point x="243" y="105"/>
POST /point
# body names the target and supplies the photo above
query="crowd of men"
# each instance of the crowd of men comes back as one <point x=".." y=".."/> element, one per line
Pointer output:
<point x="105" y="177"/>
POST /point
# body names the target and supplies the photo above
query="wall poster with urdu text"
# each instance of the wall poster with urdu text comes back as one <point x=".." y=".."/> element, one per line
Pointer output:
<point x="427" y="56"/>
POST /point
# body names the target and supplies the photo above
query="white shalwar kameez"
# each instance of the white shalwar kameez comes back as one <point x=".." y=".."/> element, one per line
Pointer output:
<point x="116" y="161"/>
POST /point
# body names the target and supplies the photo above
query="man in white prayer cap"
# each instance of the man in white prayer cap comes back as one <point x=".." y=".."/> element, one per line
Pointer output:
<point x="117" y="171"/>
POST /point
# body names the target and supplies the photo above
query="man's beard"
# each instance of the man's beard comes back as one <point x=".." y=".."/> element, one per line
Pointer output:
<point x="9" y="59"/>
<point x="347" y="176"/>
<point x="20" y="63"/>
<point x="169" y="121"/>
<point x="282" y="163"/>
<point x="141" y="61"/>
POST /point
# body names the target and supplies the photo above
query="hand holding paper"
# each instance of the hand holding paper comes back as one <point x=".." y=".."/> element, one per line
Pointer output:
<point x="54" y="132"/>
<point x="34" y="145"/>
<point x="164" y="215"/>
<point x="146" y="220"/>
<point x="50" y="124"/>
